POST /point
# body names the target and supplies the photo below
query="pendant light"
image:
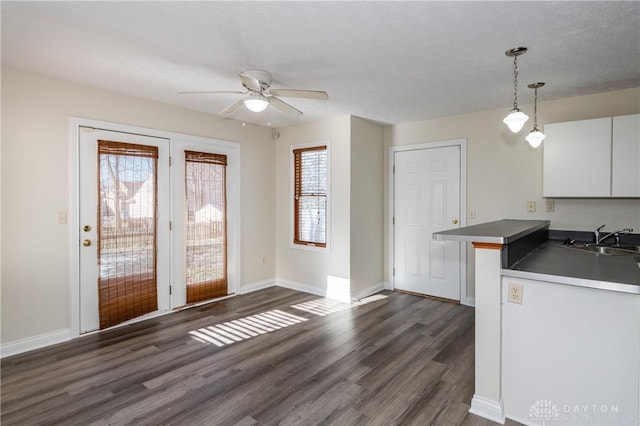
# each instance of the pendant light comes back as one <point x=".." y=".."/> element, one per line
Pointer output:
<point x="516" y="118"/>
<point x="256" y="103"/>
<point x="535" y="136"/>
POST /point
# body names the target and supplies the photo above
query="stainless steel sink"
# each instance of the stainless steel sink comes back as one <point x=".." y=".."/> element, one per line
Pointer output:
<point x="623" y="250"/>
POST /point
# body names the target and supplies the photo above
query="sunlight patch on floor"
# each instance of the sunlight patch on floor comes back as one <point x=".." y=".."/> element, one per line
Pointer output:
<point x="325" y="306"/>
<point x="245" y="328"/>
<point x="369" y="299"/>
<point x="322" y="307"/>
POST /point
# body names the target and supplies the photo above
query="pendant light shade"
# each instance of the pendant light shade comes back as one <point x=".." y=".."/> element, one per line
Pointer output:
<point x="256" y="103"/>
<point x="535" y="136"/>
<point x="516" y="118"/>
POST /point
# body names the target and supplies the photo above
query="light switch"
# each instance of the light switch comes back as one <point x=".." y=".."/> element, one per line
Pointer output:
<point x="62" y="217"/>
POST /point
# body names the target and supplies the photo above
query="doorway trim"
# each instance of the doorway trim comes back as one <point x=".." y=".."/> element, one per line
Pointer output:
<point x="462" y="143"/>
<point x="231" y="149"/>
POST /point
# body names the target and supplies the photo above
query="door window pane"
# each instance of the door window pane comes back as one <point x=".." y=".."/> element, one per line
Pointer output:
<point x="126" y="231"/>
<point x="206" y="226"/>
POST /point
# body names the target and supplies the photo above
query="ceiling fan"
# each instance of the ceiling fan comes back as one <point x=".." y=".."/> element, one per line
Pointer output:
<point x="261" y="95"/>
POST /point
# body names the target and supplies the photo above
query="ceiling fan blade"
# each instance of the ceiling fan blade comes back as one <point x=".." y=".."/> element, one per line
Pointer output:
<point x="231" y="108"/>
<point x="283" y="106"/>
<point x="250" y="82"/>
<point x="203" y="92"/>
<point x="295" y="93"/>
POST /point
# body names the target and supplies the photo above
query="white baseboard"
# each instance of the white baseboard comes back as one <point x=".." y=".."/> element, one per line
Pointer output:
<point x="487" y="408"/>
<point x="471" y="301"/>
<point x="323" y="292"/>
<point x="260" y="285"/>
<point x="361" y="294"/>
<point x="35" y="342"/>
<point x="305" y="288"/>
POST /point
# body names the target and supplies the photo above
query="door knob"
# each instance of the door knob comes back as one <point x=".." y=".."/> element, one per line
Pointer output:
<point x="86" y="243"/>
<point x="86" y="228"/>
<point x="454" y="221"/>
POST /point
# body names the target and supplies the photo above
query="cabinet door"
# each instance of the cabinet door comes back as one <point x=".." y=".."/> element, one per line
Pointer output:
<point x="571" y="346"/>
<point x="625" y="173"/>
<point x="577" y="159"/>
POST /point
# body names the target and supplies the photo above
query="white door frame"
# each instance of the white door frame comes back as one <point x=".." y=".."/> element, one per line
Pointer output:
<point x="462" y="143"/>
<point x="231" y="149"/>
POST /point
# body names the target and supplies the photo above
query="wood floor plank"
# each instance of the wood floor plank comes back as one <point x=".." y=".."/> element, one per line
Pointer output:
<point x="271" y="357"/>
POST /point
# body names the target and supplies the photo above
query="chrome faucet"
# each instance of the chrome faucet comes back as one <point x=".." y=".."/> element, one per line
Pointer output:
<point x="597" y="234"/>
<point x="616" y="234"/>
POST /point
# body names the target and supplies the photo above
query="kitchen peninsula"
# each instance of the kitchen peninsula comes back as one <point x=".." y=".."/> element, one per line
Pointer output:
<point x="571" y="340"/>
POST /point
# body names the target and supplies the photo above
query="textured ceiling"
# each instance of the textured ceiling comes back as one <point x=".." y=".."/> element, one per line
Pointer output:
<point x="390" y="62"/>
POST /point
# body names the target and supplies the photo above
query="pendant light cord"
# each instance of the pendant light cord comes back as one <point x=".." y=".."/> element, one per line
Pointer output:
<point x="535" y="108"/>
<point x="515" y="82"/>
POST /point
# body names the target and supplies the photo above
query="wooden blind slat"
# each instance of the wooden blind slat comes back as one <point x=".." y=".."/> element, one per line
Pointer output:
<point x="205" y="157"/>
<point x="128" y="149"/>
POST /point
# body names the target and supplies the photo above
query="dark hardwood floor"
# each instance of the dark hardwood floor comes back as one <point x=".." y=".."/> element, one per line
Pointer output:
<point x="271" y="357"/>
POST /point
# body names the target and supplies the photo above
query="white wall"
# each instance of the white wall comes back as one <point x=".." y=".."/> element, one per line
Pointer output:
<point x="298" y="266"/>
<point x="367" y="205"/>
<point x="504" y="173"/>
<point x="35" y="185"/>
<point x="353" y="262"/>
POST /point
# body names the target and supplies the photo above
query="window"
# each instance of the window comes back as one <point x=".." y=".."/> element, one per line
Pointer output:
<point x="310" y="170"/>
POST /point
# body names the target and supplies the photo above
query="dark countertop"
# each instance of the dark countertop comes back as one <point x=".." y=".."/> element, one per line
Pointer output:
<point x="536" y="257"/>
<point x="503" y="231"/>
<point x="553" y="262"/>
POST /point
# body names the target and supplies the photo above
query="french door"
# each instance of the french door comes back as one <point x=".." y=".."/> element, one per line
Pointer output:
<point x="153" y="236"/>
<point x="202" y="219"/>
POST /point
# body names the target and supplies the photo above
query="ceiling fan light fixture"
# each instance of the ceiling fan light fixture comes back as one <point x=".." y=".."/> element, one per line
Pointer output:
<point x="257" y="84"/>
<point x="516" y="118"/>
<point x="256" y="103"/>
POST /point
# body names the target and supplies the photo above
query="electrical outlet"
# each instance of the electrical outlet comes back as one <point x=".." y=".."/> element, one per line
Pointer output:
<point x="531" y="206"/>
<point x="551" y="206"/>
<point x="472" y="213"/>
<point x="515" y="293"/>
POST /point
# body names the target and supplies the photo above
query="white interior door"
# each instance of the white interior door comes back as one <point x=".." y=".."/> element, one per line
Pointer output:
<point x="124" y="227"/>
<point x="427" y="199"/>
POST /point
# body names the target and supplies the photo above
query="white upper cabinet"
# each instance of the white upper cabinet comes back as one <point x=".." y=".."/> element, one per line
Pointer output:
<point x="625" y="172"/>
<point x="592" y="158"/>
<point x="577" y="159"/>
